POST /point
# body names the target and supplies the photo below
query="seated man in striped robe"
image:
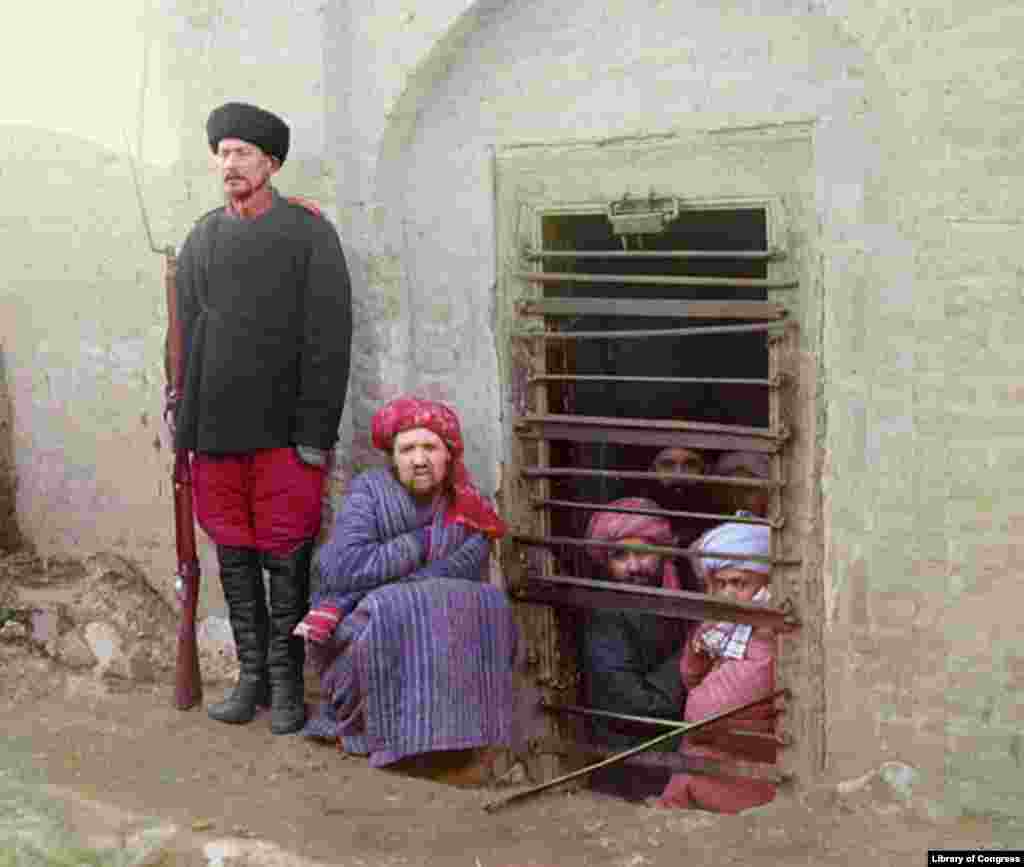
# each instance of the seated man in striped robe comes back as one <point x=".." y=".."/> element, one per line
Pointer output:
<point x="413" y="647"/>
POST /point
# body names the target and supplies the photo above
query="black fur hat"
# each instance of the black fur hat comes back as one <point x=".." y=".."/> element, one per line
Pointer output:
<point x="249" y="123"/>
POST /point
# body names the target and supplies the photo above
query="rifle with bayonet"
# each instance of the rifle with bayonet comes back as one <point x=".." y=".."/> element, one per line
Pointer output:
<point x="188" y="685"/>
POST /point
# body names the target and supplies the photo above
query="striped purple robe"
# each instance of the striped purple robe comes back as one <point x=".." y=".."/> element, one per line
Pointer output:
<point x="422" y="658"/>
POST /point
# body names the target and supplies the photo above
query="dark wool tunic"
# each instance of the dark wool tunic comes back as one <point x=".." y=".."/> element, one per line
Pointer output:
<point x="631" y="665"/>
<point x="265" y="308"/>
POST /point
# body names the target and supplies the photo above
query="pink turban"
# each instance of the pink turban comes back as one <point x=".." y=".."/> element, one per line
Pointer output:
<point x="468" y="506"/>
<point x="616" y="526"/>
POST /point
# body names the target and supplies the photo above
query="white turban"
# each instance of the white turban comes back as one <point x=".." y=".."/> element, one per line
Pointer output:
<point x="733" y="538"/>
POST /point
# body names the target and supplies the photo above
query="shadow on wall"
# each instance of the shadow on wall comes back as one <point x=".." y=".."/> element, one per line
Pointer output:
<point x="10" y="536"/>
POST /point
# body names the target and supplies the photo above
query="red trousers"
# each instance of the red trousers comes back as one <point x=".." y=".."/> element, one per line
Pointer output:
<point x="268" y="500"/>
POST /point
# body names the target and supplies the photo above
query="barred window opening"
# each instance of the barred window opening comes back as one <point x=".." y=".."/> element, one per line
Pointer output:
<point x="649" y="359"/>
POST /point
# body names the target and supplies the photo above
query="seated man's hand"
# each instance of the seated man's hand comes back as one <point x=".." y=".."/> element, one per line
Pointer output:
<point x="318" y="626"/>
<point x="700" y="639"/>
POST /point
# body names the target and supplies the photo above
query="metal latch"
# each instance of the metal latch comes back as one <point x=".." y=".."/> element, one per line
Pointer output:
<point x="649" y="216"/>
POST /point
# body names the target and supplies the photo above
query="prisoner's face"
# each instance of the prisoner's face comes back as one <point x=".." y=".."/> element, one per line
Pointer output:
<point x="635" y="567"/>
<point x="675" y="461"/>
<point x="421" y="461"/>
<point x="757" y="501"/>
<point x="737" y="585"/>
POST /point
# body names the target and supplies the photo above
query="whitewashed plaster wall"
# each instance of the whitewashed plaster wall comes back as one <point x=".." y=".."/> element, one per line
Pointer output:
<point x="82" y="311"/>
<point x="916" y="114"/>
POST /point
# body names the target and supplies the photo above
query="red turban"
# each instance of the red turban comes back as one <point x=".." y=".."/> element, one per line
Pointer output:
<point x="616" y="526"/>
<point x="468" y="506"/>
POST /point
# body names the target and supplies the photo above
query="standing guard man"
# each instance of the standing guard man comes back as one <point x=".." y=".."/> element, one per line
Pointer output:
<point x="265" y="307"/>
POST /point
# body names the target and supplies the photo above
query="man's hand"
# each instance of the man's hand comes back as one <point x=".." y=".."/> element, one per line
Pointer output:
<point x="319" y="624"/>
<point x="171" y="411"/>
<point x="312" y="456"/>
<point x="697" y="641"/>
<point x="308" y="204"/>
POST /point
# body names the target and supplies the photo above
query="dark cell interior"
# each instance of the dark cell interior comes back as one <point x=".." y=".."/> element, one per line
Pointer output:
<point x="719" y="356"/>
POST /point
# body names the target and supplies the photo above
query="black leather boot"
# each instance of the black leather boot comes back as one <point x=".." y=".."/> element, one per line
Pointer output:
<point x="289" y="602"/>
<point x="241" y="576"/>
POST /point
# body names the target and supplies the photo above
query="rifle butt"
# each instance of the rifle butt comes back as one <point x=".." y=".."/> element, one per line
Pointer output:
<point x="188" y="683"/>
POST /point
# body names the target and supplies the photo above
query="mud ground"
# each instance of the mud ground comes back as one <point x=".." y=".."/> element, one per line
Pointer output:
<point x="120" y="750"/>
<point x="121" y="778"/>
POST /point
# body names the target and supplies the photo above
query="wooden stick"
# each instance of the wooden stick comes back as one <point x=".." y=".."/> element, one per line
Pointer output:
<point x="657" y="722"/>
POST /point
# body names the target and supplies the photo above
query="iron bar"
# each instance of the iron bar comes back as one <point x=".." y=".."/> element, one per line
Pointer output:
<point x="652" y="307"/>
<point x="665" y="550"/>
<point x="644" y="437"/>
<point x="682" y="729"/>
<point x="571" y="472"/>
<point x="677" y="380"/>
<point x="651" y="332"/>
<point x="573" y="592"/>
<point x="652" y="279"/>
<point x="662" y="423"/>
<point x="774" y="254"/>
<point x="667" y="513"/>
